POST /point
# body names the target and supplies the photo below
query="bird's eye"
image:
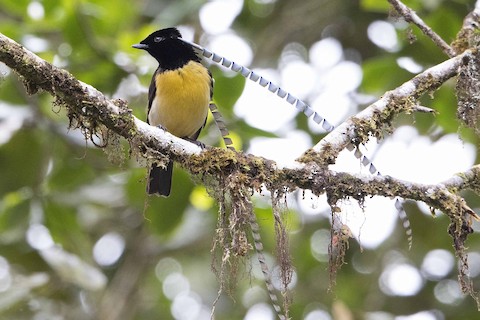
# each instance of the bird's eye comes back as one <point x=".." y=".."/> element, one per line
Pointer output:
<point x="158" y="39"/>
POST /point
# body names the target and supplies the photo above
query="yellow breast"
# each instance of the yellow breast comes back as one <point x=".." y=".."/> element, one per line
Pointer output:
<point x="182" y="99"/>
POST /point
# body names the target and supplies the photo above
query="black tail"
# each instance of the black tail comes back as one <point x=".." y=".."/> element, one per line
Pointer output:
<point x="160" y="180"/>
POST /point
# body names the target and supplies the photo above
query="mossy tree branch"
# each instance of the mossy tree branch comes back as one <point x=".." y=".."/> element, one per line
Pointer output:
<point x="93" y="112"/>
<point x="92" y="108"/>
<point x="376" y="119"/>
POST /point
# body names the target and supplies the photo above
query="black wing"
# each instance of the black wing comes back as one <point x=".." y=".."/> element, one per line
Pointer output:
<point x="152" y="91"/>
<point x="211" y="84"/>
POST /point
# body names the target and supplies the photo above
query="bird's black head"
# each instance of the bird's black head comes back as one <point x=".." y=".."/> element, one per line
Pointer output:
<point x="165" y="46"/>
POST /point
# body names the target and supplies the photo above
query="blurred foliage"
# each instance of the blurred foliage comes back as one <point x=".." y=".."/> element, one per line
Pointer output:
<point x="51" y="177"/>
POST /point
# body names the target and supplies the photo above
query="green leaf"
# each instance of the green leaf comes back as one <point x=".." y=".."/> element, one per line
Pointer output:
<point x="14" y="216"/>
<point x="62" y="221"/>
<point x="444" y="21"/>
<point x="21" y="160"/>
<point x="381" y="74"/>
<point x="445" y="103"/>
<point x="375" y="5"/>
<point x="69" y="171"/>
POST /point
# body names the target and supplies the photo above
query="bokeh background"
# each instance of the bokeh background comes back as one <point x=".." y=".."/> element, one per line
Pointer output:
<point x="79" y="239"/>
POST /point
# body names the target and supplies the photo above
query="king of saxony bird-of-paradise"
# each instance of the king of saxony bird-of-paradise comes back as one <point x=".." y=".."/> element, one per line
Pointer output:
<point x="178" y="97"/>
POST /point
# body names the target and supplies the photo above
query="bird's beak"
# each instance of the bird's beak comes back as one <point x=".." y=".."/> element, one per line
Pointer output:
<point x="140" y="46"/>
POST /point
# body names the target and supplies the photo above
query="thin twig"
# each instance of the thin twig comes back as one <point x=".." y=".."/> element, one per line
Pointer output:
<point x="410" y="16"/>
<point x="424" y="109"/>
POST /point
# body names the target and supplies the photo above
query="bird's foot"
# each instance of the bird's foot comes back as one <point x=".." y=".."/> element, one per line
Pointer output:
<point x="198" y="143"/>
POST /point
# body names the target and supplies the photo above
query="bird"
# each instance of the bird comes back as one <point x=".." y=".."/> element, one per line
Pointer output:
<point x="179" y="95"/>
